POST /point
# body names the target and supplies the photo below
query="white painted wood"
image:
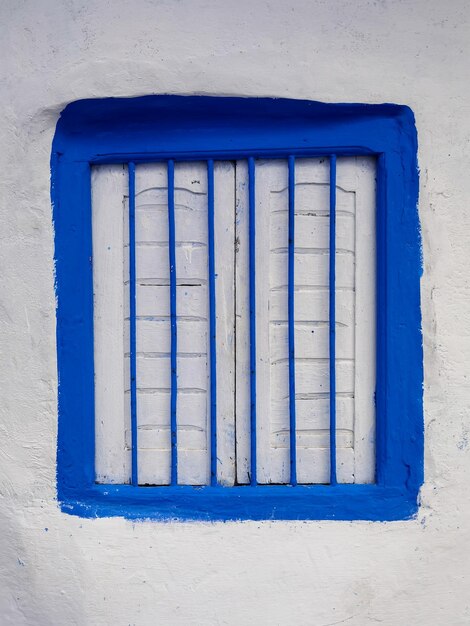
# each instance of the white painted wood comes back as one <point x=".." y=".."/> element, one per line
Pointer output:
<point x="354" y="339"/>
<point x="316" y="230"/>
<point x="272" y="382"/>
<point x="152" y="332"/>
<point x="192" y="273"/>
<point x="311" y="269"/>
<point x="312" y="221"/>
<point x="358" y="175"/>
<point x="242" y="325"/>
<point x="311" y="376"/>
<point x="224" y="229"/>
<point x="153" y="324"/>
<point x="355" y="321"/>
<point x="112" y="456"/>
<point x="312" y="322"/>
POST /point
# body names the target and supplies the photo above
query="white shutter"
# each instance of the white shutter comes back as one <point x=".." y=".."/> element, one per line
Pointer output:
<point x="355" y="322"/>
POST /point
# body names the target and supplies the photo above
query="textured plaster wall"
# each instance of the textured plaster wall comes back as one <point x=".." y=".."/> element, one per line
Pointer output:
<point x="56" y="569"/>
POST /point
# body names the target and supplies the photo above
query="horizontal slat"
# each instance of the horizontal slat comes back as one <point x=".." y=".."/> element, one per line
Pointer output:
<point x="312" y="198"/>
<point x="312" y="438"/>
<point x="152" y="261"/>
<point x="313" y="465"/>
<point x="312" y="305"/>
<point x="185" y="199"/>
<point x="312" y="377"/>
<point x="153" y="437"/>
<point x="193" y="467"/>
<point x="313" y="413"/>
<point x="154" y="300"/>
<point x="311" y="341"/>
<point x="312" y="171"/>
<point x="151" y="176"/>
<point x="151" y="224"/>
<point x="154" y="407"/>
<point x="154" y="372"/>
<point x="154" y="467"/>
<point x="312" y="231"/>
<point x="312" y="269"/>
<point x="155" y="336"/>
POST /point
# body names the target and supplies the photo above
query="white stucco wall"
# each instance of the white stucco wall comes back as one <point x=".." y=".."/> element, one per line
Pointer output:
<point x="56" y="569"/>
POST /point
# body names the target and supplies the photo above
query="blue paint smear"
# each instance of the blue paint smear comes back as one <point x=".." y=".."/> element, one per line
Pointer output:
<point x="134" y="130"/>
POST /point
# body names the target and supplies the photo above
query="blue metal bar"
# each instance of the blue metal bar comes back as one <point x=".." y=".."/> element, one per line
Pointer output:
<point x="332" y="317"/>
<point x="291" y="322"/>
<point x="212" y="321"/>
<point x="132" y="325"/>
<point x="173" y="346"/>
<point x="252" y="296"/>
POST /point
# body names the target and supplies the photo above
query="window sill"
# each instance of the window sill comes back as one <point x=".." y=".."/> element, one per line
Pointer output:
<point x="270" y="502"/>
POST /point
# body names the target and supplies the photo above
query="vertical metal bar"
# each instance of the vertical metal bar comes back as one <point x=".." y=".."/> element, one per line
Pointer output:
<point x="173" y="345"/>
<point x="252" y="294"/>
<point x="332" y="318"/>
<point x="291" y="321"/>
<point x="132" y="324"/>
<point x="212" y="322"/>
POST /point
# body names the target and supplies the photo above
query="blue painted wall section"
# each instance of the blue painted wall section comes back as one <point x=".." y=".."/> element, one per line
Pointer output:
<point x="188" y="128"/>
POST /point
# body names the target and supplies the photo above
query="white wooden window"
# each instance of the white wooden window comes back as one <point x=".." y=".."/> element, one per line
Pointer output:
<point x="355" y="322"/>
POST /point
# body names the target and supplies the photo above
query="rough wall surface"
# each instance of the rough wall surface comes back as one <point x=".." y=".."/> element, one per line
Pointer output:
<point x="57" y="569"/>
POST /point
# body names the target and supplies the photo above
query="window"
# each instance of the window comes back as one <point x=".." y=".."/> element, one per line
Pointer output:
<point x="215" y="360"/>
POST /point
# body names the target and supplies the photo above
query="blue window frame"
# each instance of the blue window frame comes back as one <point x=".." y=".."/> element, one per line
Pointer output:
<point x="172" y="128"/>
